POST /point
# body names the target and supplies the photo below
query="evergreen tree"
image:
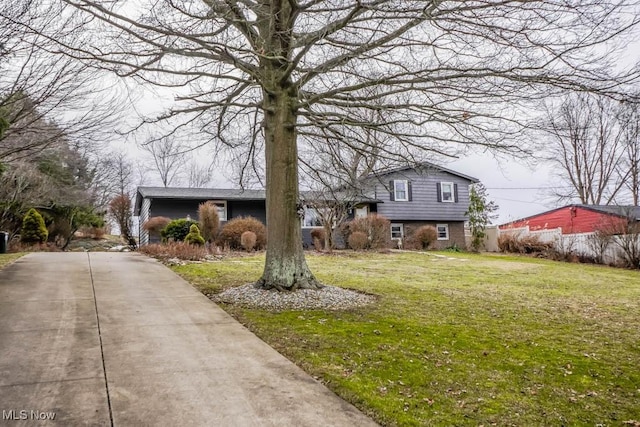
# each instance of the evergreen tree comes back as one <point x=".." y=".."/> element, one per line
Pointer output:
<point x="33" y="228"/>
<point x="480" y="214"/>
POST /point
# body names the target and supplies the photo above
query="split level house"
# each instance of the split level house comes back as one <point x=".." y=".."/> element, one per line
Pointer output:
<point x="409" y="197"/>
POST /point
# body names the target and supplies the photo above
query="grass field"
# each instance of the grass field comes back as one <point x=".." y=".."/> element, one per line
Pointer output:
<point x="6" y="259"/>
<point x="460" y="339"/>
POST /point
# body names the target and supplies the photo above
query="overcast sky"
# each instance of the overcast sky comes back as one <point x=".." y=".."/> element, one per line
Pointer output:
<point x="519" y="189"/>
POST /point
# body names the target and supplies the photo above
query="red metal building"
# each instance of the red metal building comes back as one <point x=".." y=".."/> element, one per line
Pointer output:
<point x="577" y="218"/>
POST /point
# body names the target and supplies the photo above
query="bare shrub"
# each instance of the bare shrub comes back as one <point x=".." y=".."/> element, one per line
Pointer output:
<point x="180" y="250"/>
<point x="231" y="233"/>
<point x="628" y="243"/>
<point x="96" y="233"/>
<point x="376" y="227"/>
<point x="120" y="210"/>
<point x="424" y="236"/>
<point x="318" y="238"/>
<point x="248" y="240"/>
<point x="358" y="241"/>
<point x="598" y="243"/>
<point x="563" y="250"/>
<point x="625" y="236"/>
<point x="155" y="224"/>
<point x="209" y="220"/>
<point x="529" y="244"/>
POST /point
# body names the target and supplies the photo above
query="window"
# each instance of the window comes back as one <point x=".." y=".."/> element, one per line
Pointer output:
<point x="222" y="208"/>
<point x="446" y="191"/>
<point x="401" y="190"/>
<point x="397" y="231"/>
<point x="362" y="211"/>
<point x="443" y="231"/>
<point x="311" y="218"/>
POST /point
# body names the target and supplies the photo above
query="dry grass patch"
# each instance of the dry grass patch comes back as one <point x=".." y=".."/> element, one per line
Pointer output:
<point x="6" y="259"/>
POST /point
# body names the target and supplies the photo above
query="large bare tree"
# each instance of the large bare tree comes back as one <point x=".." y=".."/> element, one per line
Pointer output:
<point x="594" y="145"/>
<point x="168" y="157"/>
<point x="630" y="167"/>
<point x="45" y="97"/>
<point x="586" y="148"/>
<point x="442" y="75"/>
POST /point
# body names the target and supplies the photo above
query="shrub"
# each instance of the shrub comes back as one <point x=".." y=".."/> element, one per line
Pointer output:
<point x="209" y="220"/>
<point x="194" y="237"/>
<point x="155" y="224"/>
<point x="120" y="210"/>
<point x="33" y="228"/>
<point x="176" y="230"/>
<point x="358" y="241"/>
<point x="231" y="234"/>
<point x="178" y="250"/>
<point x="424" y="236"/>
<point x="529" y="244"/>
<point x="248" y="240"/>
<point x="318" y="238"/>
<point x="96" y="233"/>
<point x="376" y="227"/>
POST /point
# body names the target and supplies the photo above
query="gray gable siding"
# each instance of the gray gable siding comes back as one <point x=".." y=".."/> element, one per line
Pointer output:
<point x="424" y="205"/>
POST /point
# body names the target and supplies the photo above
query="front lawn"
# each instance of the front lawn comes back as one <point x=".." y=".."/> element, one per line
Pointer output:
<point x="6" y="259"/>
<point x="460" y="339"/>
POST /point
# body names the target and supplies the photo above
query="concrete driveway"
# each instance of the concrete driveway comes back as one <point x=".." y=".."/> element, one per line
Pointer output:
<point x="118" y="339"/>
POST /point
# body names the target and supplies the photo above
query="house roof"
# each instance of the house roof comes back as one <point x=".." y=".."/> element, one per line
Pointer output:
<point x="210" y="194"/>
<point x="194" y="194"/>
<point x="620" y="211"/>
<point x="623" y="211"/>
<point x="427" y="166"/>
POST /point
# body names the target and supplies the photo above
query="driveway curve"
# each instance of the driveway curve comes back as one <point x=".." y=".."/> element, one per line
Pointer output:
<point x="117" y="339"/>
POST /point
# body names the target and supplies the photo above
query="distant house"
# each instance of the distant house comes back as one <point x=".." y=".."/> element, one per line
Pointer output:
<point x="409" y="197"/>
<point x="574" y="219"/>
<point x="423" y="195"/>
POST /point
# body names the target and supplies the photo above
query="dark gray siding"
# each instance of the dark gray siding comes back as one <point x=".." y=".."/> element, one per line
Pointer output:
<point x="254" y="208"/>
<point x="424" y="205"/>
<point x="175" y="208"/>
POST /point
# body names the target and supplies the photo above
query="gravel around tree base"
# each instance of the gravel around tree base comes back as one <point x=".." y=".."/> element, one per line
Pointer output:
<point x="327" y="298"/>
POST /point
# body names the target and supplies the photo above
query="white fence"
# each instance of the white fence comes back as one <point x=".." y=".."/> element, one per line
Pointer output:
<point x="584" y="244"/>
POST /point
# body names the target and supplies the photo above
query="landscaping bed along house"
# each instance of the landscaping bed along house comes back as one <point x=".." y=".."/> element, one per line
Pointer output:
<point x="440" y="338"/>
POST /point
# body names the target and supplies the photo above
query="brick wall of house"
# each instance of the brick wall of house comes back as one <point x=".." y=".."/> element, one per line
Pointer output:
<point x="456" y="232"/>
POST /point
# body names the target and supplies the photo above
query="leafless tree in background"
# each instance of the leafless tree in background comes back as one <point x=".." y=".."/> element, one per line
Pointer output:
<point x="198" y="175"/>
<point x="586" y="148"/>
<point x="630" y="166"/>
<point x="168" y="158"/>
<point x="443" y="76"/>
<point x="114" y="175"/>
<point x="595" y="147"/>
<point x="45" y="97"/>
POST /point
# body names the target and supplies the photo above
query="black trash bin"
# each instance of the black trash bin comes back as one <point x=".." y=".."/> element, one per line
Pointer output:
<point x="4" y="242"/>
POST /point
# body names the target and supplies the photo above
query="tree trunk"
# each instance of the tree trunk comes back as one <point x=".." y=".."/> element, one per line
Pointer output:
<point x="285" y="267"/>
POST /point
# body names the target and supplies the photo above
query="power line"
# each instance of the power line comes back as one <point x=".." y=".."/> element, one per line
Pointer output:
<point x="518" y="201"/>
<point x="530" y="188"/>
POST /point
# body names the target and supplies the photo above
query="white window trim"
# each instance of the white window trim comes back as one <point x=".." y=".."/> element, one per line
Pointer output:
<point x="401" y="231"/>
<point x="453" y="196"/>
<point x="360" y="208"/>
<point x="406" y="191"/>
<point x="306" y="208"/>
<point x="446" y="227"/>
<point x="224" y="204"/>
